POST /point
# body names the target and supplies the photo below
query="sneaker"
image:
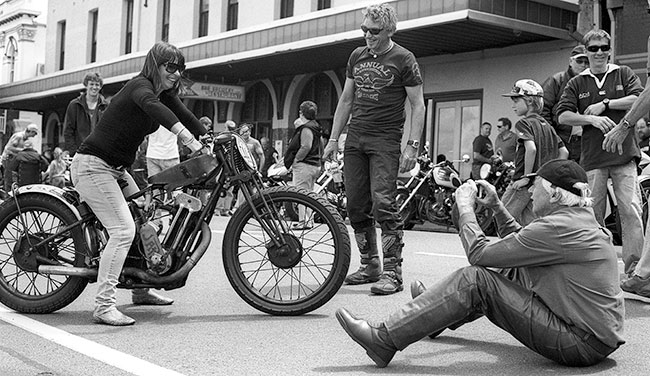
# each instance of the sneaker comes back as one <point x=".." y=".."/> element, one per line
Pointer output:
<point x="149" y="297"/>
<point x="112" y="317"/>
<point x="301" y="225"/>
<point x="637" y="285"/>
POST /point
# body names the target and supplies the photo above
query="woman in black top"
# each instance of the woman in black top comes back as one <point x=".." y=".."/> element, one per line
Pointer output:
<point x="98" y="169"/>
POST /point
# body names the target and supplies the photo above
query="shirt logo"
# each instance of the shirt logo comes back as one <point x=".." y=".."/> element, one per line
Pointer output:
<point x="584" y="95"/>
<point x="370" y="78"/>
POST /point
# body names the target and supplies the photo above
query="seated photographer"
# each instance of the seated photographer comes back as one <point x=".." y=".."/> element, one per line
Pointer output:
<point x="557" y="290"/>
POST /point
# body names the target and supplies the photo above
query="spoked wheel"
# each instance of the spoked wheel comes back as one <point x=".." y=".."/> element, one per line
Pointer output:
<point x="295" y="269"/>
<point x="407" y="213"/>
<point x="22" y="288"/>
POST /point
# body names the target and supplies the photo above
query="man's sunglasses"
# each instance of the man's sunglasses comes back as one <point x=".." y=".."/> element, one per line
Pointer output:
<point x="372" y="30"/>
<point x="604" y="48"/>
<point x="173" y="67"/>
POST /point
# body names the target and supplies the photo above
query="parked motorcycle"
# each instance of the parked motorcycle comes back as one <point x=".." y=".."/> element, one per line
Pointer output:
<point x="51" y="242"/>
<point x="612" y="218"/>
<point x="499" y="174"/>
<point x="429" y="193"/>
<point x="330" y="185"/>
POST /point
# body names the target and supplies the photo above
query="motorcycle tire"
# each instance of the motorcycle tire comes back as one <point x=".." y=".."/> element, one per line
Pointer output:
<point x="407" y="213"/>
<point x="298" y="277"/>
<point x="645" y="197"/>
<point x="22" y="288"/>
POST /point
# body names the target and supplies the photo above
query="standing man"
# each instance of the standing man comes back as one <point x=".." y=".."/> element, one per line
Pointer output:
<point x="379" y="77"/>
<point x="483" y="150"/>
<point x="553" y="88"/>
<point x="15" y="144"/>
<point x="638" y="277"/>
<point x="84" y="112"/>
<point x="596" y="100"/>
<point x="253" y="145"/>
<point x="506" y="141"/>
<point x="271" y="156"/>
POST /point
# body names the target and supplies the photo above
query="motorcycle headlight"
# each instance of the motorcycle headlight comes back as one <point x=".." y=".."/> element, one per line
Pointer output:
<point x="245" y="152"/>
<point x="485" y="171"/>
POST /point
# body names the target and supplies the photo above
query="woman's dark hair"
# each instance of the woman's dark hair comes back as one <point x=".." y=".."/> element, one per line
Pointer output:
<point x="159" y="54"/>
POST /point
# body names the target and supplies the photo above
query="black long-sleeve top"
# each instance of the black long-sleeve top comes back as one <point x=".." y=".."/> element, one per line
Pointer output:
<point x="134" y="112"/>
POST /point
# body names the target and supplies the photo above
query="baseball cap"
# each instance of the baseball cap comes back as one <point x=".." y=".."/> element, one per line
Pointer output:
<point x="579" y="51"/>
<point x="563" y="173"/>
<point x="525" y="87"/>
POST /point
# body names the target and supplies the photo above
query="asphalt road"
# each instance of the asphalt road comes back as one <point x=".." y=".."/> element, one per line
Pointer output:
<point x="209" y="330"/>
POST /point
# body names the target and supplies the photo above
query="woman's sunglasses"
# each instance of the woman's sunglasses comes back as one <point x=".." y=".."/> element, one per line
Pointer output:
<point x="372" y="30"/>
<point x="604" y="48"/>
<point x="173" y="67"/>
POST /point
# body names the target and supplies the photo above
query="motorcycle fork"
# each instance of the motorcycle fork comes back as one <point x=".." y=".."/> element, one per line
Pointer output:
<point x="414" y="190"/>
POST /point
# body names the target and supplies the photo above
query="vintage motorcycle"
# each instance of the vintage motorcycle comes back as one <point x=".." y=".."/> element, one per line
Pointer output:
<point x="330" y="185"/>
<point x="429" y="193"/>
<point x="51" y="242"/>
<point x="499" y="174"/>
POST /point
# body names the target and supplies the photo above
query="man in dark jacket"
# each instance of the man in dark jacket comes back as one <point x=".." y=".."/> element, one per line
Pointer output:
<point x="553" y="89"/>
<point x="304" y="154"/>
<point x="84" y="112"/>
<point x="28" y="165"/>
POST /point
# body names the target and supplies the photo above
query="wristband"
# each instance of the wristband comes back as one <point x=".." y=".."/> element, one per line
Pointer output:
<point x="333" y="140"/>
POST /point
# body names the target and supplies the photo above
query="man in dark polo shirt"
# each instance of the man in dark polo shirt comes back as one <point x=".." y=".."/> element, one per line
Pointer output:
<point x="597" y="100"/>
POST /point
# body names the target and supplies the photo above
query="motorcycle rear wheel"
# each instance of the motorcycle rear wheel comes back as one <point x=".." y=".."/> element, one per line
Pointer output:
<point x="294" y="279"/>
<point x="22" y="288"/>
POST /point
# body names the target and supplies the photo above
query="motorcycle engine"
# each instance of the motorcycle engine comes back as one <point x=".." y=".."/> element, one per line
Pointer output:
<point x="158" y="261"/>
<point x="439" y="211"/>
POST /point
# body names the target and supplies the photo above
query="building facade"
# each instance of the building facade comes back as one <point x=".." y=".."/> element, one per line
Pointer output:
<point x="22" y="42"/>
<point x="255" y="61"/>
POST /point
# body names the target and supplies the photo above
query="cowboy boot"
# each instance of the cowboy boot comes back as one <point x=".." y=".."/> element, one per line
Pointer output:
<point x="370" y="268"/>
<point x="390" y="281"/>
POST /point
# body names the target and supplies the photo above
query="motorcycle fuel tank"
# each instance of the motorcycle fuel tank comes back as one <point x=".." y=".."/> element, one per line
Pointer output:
<point x="185" y="173"/>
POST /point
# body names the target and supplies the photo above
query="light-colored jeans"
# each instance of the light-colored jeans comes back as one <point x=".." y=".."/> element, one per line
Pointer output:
<point x="628" y="199"/>
<point x="304" y="176"/>
<point x="155" y="165"/>
<point x="519" y="204"/>
<point x="103" y="188"/>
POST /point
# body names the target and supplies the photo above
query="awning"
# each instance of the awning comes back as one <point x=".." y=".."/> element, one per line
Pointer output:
<point x="320" y="41"/>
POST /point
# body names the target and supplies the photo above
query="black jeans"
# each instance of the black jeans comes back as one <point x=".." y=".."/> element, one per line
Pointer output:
<point x="473" y="292"/>
<point x="371" y="166"/>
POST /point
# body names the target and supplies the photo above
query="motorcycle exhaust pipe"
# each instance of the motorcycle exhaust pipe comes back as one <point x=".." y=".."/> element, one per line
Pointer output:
<point x="133" y="272"/>
<point x="68" y="270"/>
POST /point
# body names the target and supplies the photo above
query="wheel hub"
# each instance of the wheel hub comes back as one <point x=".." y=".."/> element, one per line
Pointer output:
<point x="287" y="254"/>
<point x="26" y="258"/>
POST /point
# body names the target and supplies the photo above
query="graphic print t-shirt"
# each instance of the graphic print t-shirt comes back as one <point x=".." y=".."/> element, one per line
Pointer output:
<point x="379" y="88"/>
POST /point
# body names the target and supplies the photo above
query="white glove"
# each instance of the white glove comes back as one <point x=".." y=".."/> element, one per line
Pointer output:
<point x="186" y="137"/>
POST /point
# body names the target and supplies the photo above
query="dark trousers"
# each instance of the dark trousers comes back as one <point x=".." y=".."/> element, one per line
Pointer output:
<point x="371" y="166"/>
<point x="574" y="145"/>
<point x="473" y="292"/>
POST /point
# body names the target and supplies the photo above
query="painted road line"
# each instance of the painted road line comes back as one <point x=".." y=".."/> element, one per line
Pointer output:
<point x="441" y="255"/>
<point x="86" y="347"/>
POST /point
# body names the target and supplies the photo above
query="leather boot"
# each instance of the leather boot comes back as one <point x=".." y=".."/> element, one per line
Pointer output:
<point x="370" y="268"/>
<point x="372" y="337"/>
<point x="390" y="281"/>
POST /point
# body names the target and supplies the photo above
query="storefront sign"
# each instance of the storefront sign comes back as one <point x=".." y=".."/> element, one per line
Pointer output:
<point x="217" y="92"/>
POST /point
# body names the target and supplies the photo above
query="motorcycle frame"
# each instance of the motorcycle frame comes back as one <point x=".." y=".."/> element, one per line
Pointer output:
<point x="226" y="174"/>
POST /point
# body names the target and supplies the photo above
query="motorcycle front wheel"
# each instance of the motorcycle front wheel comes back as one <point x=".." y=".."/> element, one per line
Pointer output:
<point x="22" y="288"/>
<point x="294" y="270"/>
